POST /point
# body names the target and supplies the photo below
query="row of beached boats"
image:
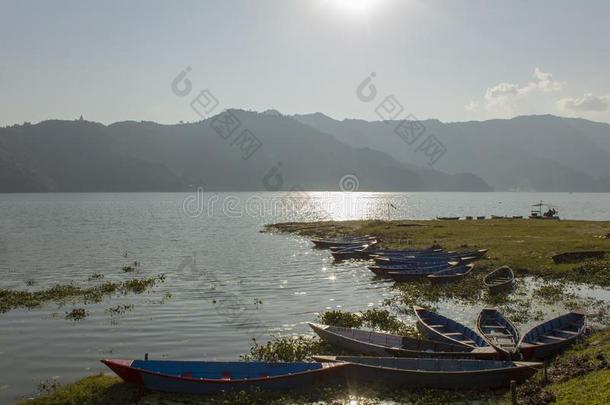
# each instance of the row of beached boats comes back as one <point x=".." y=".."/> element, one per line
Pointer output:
<point x="452" y="357"/>
<point x="495" y="338"/>
<point x="436" y="265"/>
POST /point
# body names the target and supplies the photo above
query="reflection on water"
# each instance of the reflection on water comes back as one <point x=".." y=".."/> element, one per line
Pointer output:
<point x="228" y="282"/>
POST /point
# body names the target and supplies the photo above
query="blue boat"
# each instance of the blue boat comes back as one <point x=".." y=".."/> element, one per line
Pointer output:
<point x="434" y="253"/>
<point x="343" y="241"/>
<point x="426" y="259"/>
<point x="552" y="337"/>
<point x="410" y="275"/>
<point x="437" y="327"/>
<point x="209" y="377"/>
<point x="498" y="331"/>
<point x="385" y="269"/>
<point x="449" y="275"/>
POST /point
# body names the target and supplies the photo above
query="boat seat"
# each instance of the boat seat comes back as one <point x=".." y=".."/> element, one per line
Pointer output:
<point x="553" y="337"/>
<point x="453" y="334"/>
<point x="494" y="327"/>
<point x="567" y="331"/>
<point x="436" y="326"/>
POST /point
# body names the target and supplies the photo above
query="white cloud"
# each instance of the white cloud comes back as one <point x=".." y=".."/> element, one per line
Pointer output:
<point x="544" y="82"/>
<point x="586" y="103"/>
<point x="501" y="90"/>
<point x="501" y="98"/>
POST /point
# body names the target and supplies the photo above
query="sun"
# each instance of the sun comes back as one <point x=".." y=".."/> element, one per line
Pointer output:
<point x="356" y="6"/>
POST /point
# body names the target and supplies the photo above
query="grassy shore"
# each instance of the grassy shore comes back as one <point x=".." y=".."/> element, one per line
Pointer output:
<point x="526" y="245"/>
<point x="579" y="376"/>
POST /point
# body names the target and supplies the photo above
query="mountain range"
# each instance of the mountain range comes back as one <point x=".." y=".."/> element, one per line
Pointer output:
<point x="240" y="150"/>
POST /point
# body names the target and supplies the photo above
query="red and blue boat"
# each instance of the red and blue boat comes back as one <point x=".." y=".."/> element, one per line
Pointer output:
<point x="210" y="377"/>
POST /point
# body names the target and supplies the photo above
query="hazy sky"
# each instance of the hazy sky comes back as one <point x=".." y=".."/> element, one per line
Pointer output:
<point x="451" y="60"/>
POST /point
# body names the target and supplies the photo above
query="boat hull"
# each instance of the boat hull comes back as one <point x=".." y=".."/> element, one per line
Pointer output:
<point x="380" y="344"/>
<point x="327" y="374"/>
<point x="444" y="374"/>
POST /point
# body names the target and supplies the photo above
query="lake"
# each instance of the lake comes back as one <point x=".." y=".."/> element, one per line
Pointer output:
<point x="225" y="281"/>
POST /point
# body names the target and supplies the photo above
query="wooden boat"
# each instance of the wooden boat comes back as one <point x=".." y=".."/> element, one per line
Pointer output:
<point x="434" y="373"/>
<point x="355" y="246"/>
<point x="478" y="253"/>
<point x="578" y="256"/>
<point x="481" y="217"/>
<point x="437" y="327"/>
<point x="387" y="254"/>
<point x="517" y="217"/>
<point x="447" y="218"/>
<point x="385" y="269"/>
<point x="454" y="273"/>
<point x="498" y="331"/>
<point x="551" y="337"/>
<point x="501" y="279"/>
<point x="384" y="344"/>
<point x="208" y="377"/>
<point x="344" y="241"/>
<point x="415" y="274"/>
<point x="361" y="252"/>
<point x="497" y="217"/>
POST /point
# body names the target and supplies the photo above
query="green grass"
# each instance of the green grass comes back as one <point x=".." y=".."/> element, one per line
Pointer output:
<point x="525" y="245"/>
<point x="593" y="388"/>
<point x="92" y="390"/>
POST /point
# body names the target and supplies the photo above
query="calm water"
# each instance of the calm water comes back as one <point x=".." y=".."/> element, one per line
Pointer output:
<point x="228" y="282"/>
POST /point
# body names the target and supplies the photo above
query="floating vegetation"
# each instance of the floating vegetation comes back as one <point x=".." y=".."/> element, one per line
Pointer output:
<point x="130" y="268"/>
<point x="95" y="276"/>
<point x="552" y="292"/>
<point x="77" y="314"/>
<point x="119" y="309"/>
<point x="378" y="319"/>
<point x="12" y="299"/>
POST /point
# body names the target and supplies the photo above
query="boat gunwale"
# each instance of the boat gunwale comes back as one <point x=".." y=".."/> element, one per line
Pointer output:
<point x="517" y="365"/>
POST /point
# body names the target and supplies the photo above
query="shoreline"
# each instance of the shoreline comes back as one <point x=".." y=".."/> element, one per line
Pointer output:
<point x="580" y="374"/>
